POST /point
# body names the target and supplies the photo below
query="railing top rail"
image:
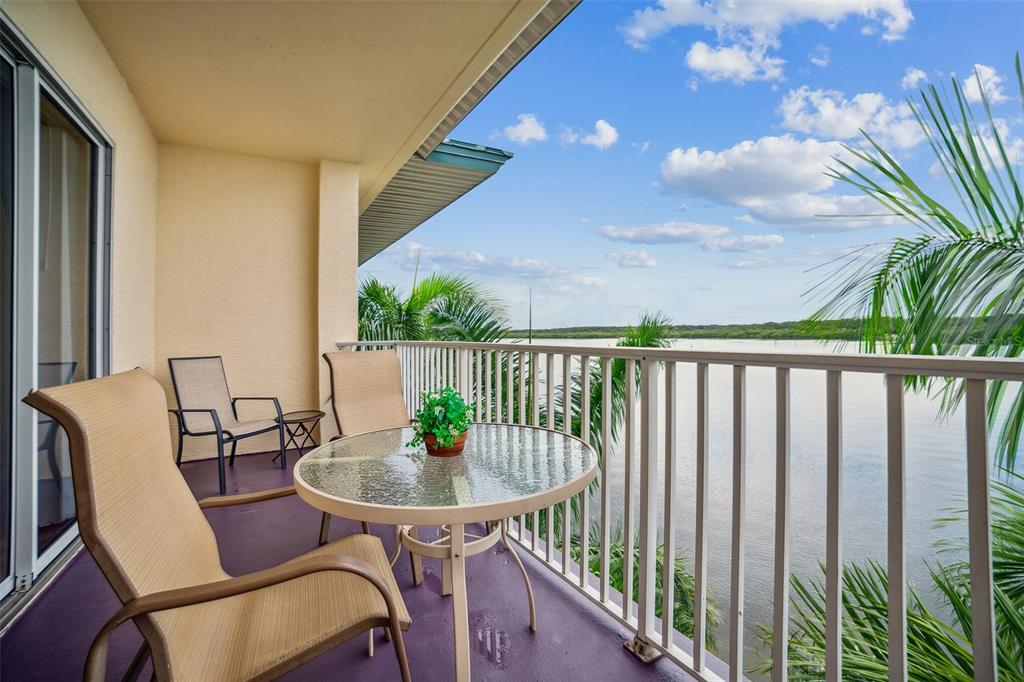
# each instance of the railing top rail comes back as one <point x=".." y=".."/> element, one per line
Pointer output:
<point x="915" y="365"/>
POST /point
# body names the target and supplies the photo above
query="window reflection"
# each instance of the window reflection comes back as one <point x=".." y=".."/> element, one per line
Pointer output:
<point x="65" y="312"/>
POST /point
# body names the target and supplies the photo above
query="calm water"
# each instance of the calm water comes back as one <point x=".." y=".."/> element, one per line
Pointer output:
<point x="935" y="468"/>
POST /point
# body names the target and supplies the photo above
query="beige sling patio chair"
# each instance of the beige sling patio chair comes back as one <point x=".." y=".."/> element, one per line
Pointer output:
<point x="206" y="408"/>
<point x="366" y="395"/>
<point x="150" y="538"/>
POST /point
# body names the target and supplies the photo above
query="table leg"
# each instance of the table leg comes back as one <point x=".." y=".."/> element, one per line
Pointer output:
<point x="417" y="563"/>
<point x="460" y="609"/>
<point x="522" y="569"/>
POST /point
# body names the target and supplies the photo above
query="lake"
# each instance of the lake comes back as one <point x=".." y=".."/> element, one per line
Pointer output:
<point x="935" y="470"/>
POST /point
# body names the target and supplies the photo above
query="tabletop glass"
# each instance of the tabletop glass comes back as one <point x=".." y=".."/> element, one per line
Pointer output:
<point x="500" y="463"/>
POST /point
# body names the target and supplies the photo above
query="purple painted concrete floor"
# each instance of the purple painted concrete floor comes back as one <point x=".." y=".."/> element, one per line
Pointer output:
<point x="575" y="639"/>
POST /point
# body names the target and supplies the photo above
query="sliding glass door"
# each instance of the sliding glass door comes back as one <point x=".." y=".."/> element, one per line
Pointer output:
<point x="65" y="311"/>
<point x="54" y="244"/>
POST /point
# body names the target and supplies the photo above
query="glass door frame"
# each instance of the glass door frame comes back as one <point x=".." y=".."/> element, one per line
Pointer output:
<point x="33" y="79"/>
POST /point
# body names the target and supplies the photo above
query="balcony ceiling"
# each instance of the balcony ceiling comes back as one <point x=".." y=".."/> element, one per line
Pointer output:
<point x="360" y="82"/>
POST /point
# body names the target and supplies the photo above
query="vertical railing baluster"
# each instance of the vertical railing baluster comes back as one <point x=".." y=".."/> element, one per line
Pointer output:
<point x="522" y="387"/>
<point x="606" y="453"/>
<point x="510" y="417"/>
<point x="668" y="513"/>
<point x="549" y="516"/>
<point x="979" y="535"/>
<point x="739" y="507"/>
<point x="488" y="370"/>
<point x="700" y="584"/>
<point x="497" y="387"/>
<point x="567" y="428"/>
<point x="833" y="527"/>
<point x="628" y="494"/>
<point x="780" y="620"/>
<point x="896" y="565"/>
<point x="585" y="495"/>
<point x="648" y="522"/>
<point x="535" y="397"/>
<point x="522" y="417"/>
<point x="478" y="389"/>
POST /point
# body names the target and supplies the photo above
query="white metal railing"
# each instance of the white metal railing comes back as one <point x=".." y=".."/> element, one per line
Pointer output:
<point x="480" y="370"/>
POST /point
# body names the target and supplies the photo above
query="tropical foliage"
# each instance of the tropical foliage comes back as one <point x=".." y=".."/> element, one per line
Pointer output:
<point x="440" y="307"/>
<point x="957" y="288"/>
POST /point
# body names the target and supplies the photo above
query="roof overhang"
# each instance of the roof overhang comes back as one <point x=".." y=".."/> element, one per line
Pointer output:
<point x="368" y="83"/>
<point x="421" y="189"/>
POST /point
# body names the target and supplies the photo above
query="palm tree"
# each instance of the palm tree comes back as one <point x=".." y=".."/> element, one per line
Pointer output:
<point x="441" y="307"/>
<point x="958" y="288"/>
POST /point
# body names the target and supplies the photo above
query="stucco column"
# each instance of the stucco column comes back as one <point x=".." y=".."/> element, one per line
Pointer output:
<point x="337" y="278"/>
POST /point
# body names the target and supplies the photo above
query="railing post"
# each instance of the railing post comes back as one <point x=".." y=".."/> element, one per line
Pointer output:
<point x="833" y="528"/>
<point x="780" y="620"/>
<point x="628" y="492"/>
<point x="980" y="535"/>
<point x="606" y="494"/>
<point x="739" y="510"/>
<point x="641" y="645"/>
<point x="896" y="521"/>
<point x="585" y="495"/>
<point x="700" y="583"/>
<point x="668" y="567"/>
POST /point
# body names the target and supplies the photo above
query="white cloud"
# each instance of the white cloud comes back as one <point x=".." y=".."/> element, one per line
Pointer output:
<point x="693" y="84"/>
<point x="632" y="258"/>
<point x="829" y="114"/>
<point x="528" y="130"/>
<point x="672" y="232"/>
<point x="984" y="78"/>
<point x="746" y="30"/>
<point x="744" y="243"/>
<point x="604" y="135"/>
<point x="712" y="238"/>
<point x="821" y="57"/>
<point x="642" y="147"/>
<point x="759" y="19"/>
<point x="770" y="166"/>
<point x="913" y="78"/>
<point x="407" y="255"/>
<point x="776" y="179"/>
<point x="585" y="220"/>
<point x="734" y="63"/>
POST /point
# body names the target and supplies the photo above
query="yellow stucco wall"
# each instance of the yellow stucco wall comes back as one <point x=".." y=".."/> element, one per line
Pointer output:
<point x="213" y="253"/>
<point x="237" y="276"/>
<point x="61" y="33"/>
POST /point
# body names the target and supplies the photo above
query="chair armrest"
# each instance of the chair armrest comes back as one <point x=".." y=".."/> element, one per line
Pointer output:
<point x="178" y="412"/>
<point x="277" y="404"/>
<point x="246" y="498"/>
<point x="96" y="663"/>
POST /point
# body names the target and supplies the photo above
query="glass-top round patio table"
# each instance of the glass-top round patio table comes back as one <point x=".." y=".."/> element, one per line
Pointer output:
<point x="505" y="470"/>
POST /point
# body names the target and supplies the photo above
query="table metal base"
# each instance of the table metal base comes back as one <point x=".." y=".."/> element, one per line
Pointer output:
<point x="452" y="548"/>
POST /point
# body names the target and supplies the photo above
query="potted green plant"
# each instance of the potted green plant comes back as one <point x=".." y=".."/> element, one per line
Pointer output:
<point x="442" y="422"/>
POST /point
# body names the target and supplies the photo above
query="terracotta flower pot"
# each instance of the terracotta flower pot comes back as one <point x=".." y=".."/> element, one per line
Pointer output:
<point x="430" y="440"/>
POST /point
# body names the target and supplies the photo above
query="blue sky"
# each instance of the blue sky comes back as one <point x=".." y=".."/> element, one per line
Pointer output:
<point x="670" y="156"/>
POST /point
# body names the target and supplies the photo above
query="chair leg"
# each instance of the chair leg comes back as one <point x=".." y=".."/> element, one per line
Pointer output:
<point x="137" y="664"/>
<point x="325" y="527"/>
<point x="417" y="563"/>
<point x="399" y="642"/>
<point x="366" y="528"/>
<point x="181" y="446"/>
<point x="220" y="465"/>
<point x="234" y="446"/>
<point x="280" y="433"/>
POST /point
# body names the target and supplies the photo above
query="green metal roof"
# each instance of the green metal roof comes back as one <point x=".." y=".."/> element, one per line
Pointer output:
<point x="421" y="189"/>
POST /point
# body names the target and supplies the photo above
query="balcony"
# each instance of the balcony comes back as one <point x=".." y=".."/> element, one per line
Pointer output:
<point x="670" y="424"/>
